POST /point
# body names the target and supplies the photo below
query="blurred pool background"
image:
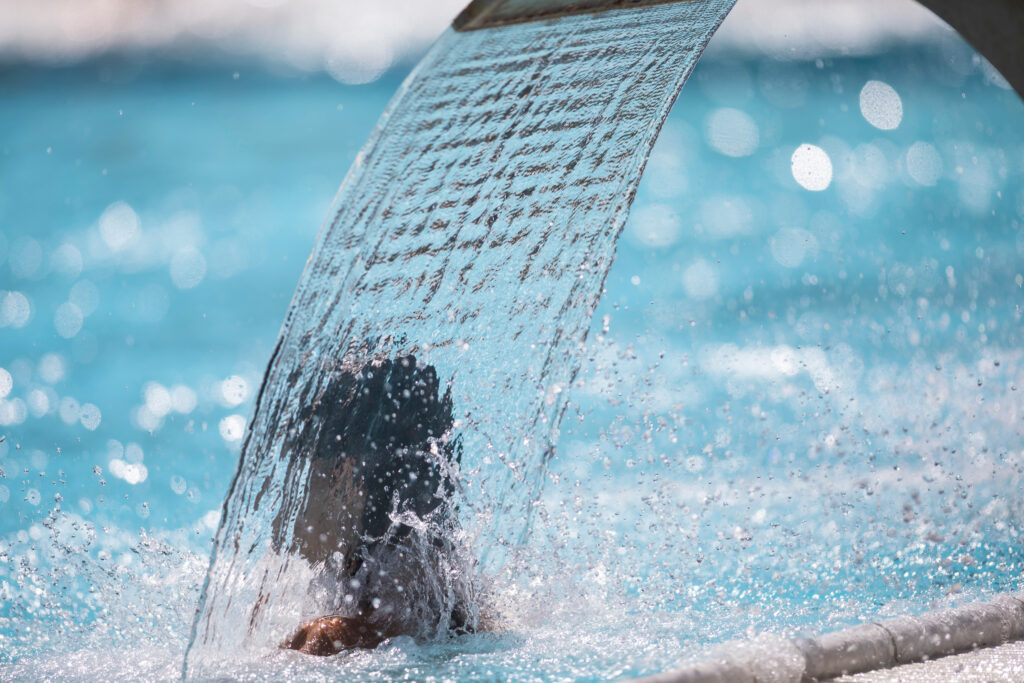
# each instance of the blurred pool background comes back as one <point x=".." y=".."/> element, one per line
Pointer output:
<point x="801" y="401"/>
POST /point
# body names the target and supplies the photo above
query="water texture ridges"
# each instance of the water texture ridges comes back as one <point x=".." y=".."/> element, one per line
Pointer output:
<point x="474" y="233"/>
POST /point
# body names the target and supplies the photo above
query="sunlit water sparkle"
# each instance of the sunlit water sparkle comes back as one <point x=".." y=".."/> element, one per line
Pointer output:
<point x="739" y="453"/>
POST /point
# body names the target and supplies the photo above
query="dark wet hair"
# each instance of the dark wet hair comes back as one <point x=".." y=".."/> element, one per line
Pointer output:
<point x="378" y="438"/>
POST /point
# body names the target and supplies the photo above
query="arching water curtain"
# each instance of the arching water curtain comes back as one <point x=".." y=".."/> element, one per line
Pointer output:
<point x="473" y="233"/>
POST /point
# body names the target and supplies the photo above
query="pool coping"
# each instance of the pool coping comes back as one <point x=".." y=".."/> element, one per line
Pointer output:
<point x="871" y="646"/>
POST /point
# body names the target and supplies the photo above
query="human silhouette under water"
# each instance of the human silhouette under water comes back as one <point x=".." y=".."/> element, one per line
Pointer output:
<point x="378" y="518"/>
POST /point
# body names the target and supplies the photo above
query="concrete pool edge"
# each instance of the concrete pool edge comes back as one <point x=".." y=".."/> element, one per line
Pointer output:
<point x="866" y="647"/>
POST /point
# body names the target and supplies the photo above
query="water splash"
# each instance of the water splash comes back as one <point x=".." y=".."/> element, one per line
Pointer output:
<point x="473" y="233"/>
<point x="70" y="591"/>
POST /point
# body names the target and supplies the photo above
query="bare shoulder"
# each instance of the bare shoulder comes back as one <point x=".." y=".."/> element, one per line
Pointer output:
<point x="330" y="635"/>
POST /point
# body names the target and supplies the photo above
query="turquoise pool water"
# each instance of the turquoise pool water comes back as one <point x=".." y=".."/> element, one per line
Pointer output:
<point x="800" y="404"/>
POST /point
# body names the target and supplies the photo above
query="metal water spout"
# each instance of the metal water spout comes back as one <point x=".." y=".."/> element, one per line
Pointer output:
<point x="993" y="27"/>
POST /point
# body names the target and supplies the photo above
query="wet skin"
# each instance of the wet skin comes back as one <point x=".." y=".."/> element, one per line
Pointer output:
<point x="330" y="635"/>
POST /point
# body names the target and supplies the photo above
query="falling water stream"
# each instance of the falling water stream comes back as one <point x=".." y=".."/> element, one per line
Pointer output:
<point x="472" y="235"/>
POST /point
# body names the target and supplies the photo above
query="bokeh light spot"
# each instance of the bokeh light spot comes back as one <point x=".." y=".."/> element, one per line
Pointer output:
<point x="15" y="310"/>
<point x="790" y="246"/>
<point x="700" y="280"/>
<point x="68" y="320"/>
<point x="732" y="132"/>
<point x="6" y="383"/>
<point x="52" y="368"/>
<point x="232" y="428"/>
<point x="119" y="225"/>
<point x="924" y="164"/>
<point x="655" y="225"/>
<point x="811" y="167"/>
<point x="90" y="416"/>
<point x="85" y="295"/>
<point x="188" y="268"/>
<point x="881" y="105"/>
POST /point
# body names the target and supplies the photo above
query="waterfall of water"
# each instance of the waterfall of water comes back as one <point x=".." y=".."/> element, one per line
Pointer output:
<point x="466" y="249"/>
